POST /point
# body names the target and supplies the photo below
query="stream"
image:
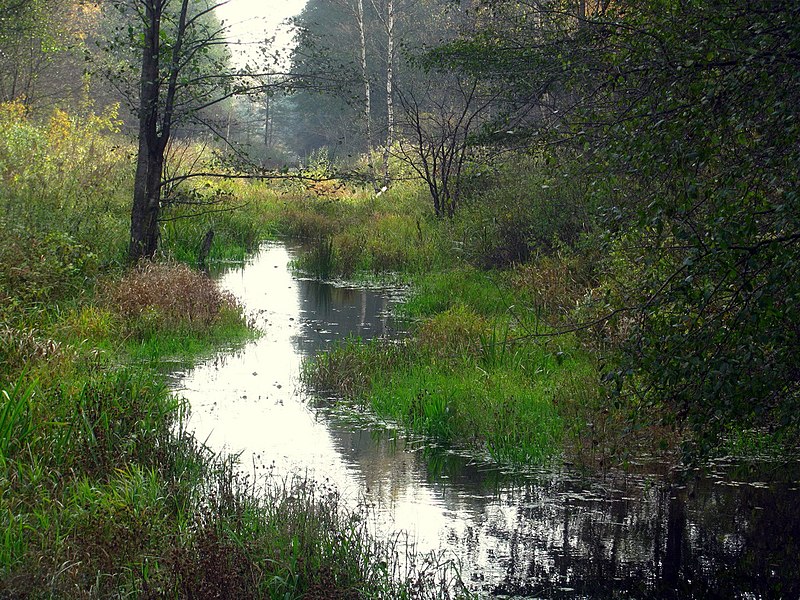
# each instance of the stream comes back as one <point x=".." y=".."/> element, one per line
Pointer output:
<point x="729" y="530"/>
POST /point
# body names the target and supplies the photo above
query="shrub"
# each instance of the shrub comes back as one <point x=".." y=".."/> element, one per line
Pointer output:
<point x="453" y="333"/>
<point x="41" y="268"/>
<point x="555" y="283"/>
<point x="65" y="176"/>
<point x="529" y="210"/>
<point x="157" y="296"/>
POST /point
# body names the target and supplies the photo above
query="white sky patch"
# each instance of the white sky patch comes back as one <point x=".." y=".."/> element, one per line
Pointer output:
<point x="250" y="22"/>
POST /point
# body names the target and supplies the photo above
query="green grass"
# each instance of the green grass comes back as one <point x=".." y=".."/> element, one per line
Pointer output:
<point x="501" y="405"/>
<point x="241" y="215"/>
<point x="499" y="413"/>
<point x="103" y="491"/>
<point x="229" y="331"/>
<point x="483" y="292"/>
<point x="472" y="376"/>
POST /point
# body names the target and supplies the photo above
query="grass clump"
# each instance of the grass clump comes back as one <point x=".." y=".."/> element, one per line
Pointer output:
<point x="361" y="235"/>
<point x="501" y="408"/>
<point x="167" y="309"/>
<point x="483" y="292"/>
<point x="466" y="378"/>
<point x="158" y="296"/>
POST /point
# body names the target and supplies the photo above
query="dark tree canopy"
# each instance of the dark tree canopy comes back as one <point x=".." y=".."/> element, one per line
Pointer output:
<point x="684" y="115"/>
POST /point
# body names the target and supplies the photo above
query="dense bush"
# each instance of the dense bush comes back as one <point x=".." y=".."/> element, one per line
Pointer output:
<point x="160" y="296"/>
<point x="64" y="177"/>
<point x="532" y="207"/>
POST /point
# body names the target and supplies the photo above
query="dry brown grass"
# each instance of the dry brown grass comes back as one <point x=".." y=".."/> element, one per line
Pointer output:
<point x="168" y="295"/>
<point x="22" y="347"/>
<point x="557" y="283"/>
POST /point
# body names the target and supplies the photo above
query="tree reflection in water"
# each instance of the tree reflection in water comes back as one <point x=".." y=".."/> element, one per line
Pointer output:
<point x="556" y="533"/>
<point x="706" y="537"/>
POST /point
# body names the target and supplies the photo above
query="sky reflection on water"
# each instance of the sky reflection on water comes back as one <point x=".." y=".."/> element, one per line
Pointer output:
<point x="555" y="534"/>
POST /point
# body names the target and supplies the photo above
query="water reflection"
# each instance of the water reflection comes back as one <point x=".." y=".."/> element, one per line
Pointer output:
<point x="554" y="534"/>
<point x="329" y="313"/>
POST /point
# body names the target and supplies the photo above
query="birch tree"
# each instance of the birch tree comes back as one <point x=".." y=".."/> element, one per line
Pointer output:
<point x="389" y="89"/>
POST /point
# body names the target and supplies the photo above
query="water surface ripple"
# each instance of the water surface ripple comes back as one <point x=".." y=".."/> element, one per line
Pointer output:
<point x="728" y="531"/>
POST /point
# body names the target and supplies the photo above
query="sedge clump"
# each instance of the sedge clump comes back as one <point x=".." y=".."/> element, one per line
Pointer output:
<point x="159" y="296"/>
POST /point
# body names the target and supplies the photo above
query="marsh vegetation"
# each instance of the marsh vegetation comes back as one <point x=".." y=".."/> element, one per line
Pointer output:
<point x="591" y="209"/>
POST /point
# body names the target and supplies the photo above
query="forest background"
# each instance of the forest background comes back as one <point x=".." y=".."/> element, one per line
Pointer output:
<point x="596" y="203"/>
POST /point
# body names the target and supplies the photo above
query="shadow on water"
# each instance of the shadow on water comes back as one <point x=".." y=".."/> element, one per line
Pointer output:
<point x="727" y="531"/>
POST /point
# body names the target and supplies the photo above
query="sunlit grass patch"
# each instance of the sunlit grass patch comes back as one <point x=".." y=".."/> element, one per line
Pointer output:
<point x="500" y="413"/>
<point x="498" y="401"/>
<point x="366" y="235"/>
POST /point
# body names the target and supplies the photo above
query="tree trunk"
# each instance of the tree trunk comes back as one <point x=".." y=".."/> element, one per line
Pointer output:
<point x="389" y="89"/>
<point x="205" y="250"/>
<point x="365" y="76"/>
<point x="150" y="157"/>
<point x="153" y="135"/>
<point x="267" y="124"/>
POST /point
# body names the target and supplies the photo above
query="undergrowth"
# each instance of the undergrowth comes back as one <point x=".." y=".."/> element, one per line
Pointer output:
<point x="103" y="491"/>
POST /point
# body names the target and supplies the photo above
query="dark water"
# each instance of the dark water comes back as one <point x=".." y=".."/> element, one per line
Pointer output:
<point x="727" y="531"/>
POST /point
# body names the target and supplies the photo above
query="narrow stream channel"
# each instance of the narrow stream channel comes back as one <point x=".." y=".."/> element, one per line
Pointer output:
<point x="728" y="531"/>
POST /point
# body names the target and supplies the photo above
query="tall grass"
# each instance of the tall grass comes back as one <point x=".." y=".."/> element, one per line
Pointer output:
<point x="63" y="186"/>
<point x="103" y="491"/>
<point x="241" y="215"/>
<point x="472" y="376"/>
<point x="15" y="419"/>
<point x="369" y="235"/>
<point x="501" y="408"/>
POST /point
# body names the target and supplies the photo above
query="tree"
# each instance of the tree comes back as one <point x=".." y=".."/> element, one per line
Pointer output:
<point x="387" y="18"/>
<point x="349" y="62"/>
<point x="685" y="118"/>
<point x="329" y="84"/>
<point x="41" y="52"/>
<point x="182" y="73"/>
<point x="437" y="123"/>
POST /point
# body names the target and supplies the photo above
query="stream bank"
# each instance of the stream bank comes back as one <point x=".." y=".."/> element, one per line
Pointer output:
<point x="727" y="530"/>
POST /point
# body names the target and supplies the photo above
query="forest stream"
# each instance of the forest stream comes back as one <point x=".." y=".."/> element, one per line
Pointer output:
<point x="728" y="530"/>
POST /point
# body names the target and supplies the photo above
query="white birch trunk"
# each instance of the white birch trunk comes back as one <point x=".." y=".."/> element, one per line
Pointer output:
<point x="389" y="89"/>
